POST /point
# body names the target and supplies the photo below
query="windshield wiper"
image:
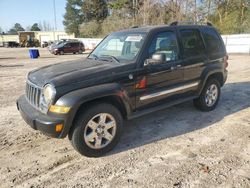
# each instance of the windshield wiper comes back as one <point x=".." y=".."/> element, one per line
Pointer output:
<point x="112" y="57"/>
<point x="95" y="56"/>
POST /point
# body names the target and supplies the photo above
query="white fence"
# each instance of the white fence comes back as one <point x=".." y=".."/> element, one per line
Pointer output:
<point x="239" y="43"/>
<point x="90" y="43"/>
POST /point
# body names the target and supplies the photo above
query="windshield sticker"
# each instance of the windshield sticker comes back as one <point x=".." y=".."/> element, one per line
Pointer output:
<point x="134" y="38"/>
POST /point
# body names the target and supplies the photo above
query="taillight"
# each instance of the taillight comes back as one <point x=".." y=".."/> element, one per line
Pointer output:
<point x="225" y="61"/>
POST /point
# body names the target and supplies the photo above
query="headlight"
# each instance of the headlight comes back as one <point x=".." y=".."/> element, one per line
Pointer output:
<point x="49" y="93"/>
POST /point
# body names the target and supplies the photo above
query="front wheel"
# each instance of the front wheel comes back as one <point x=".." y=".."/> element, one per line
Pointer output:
<point x="97" y="130"/>
<point x="209" y="96"/>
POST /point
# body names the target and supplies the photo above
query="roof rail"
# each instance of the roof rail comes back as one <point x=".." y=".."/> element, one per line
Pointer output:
<point x="175" y="23"/>
<point x="135" y="26"/>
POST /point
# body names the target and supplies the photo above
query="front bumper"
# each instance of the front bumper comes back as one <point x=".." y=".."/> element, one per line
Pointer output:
<point x="38" y="120"/>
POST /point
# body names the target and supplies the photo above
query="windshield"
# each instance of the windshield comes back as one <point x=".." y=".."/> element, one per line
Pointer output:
<point x="60" y="44"/>
<point x="119" y="46"/>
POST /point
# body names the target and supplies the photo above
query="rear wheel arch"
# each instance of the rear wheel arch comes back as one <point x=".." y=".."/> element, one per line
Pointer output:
<point x="217" y="75"/>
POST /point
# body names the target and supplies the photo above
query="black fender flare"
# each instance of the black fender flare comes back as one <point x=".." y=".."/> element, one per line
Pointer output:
<point x="76" y="98"/>
<point x="206" y="74"/>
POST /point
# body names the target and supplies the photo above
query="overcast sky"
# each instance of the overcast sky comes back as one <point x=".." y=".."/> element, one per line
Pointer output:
<point x="27" y="12"/>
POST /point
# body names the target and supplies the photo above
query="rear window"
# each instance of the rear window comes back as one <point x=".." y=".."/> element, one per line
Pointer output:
<point x="192" y="42"/>
<point x="75" y="44"/>
<point x="212" y="40"/>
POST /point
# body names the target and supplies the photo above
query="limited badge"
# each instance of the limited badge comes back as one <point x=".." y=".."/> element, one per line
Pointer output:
<point x="130" y="76"/>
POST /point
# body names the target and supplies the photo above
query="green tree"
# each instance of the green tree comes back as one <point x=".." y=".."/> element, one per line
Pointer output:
<point x="73" y="16"/>
<point x="95" y="10"/>
<point x="17" y="27"/>
<point x="35" y="27"/>
<point x="91" y="29"/>
<point x="231" y="16"/>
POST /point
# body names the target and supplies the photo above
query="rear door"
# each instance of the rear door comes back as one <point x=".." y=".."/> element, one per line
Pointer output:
<point x="194" y="57"/>
<point x="76" y="47"/>
<point x="68" y="47"/>
<point x="157" y="83"/>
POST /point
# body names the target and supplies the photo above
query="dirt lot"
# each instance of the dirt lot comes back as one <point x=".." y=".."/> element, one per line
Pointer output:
<point x="177" y="147"/>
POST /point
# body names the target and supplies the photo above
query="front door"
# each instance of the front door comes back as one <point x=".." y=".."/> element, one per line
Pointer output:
<point x="160" y="82"/>
<point x="68" y="48"/>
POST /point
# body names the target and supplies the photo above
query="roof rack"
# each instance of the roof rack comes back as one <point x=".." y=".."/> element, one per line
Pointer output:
<point x="175" y="23"/>
<point x="135" y="26"/>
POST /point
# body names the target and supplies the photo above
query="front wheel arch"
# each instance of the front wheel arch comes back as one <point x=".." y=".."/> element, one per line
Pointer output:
<point x="113" y="100"/>
<point x="78" y="130"/>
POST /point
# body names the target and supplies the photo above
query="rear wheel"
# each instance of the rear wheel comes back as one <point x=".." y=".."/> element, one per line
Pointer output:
<point x="97" y="130"/>
<point x="80" y="51"/>
<point x="209" y="96"/>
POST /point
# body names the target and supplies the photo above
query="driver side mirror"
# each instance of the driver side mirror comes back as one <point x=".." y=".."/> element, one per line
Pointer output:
<point x="157" y="58"/>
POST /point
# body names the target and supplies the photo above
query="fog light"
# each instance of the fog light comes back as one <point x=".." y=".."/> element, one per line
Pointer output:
<point x="59" y="127"/>
<point x="59" y="109"/>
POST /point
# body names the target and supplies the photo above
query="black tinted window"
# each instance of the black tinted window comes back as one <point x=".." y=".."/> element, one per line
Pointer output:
<point x="212" y="40"/>
<point x="192" y="43"/>
<point x="68" y="45"/>
<point x="165" y="43"/>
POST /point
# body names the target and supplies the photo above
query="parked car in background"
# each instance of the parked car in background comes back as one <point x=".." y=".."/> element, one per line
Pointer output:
<point x="69" y="47"/>
<point x="11" y="44"/>
<point x="53" y="45"/>
<point x="44" y="44"/>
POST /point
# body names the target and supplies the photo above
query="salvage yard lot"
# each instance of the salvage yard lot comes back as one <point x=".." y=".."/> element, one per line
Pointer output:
<point x="176" y="147"/>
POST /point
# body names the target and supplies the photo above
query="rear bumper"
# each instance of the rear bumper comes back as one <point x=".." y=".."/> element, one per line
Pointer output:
<point x="38" y="120"/>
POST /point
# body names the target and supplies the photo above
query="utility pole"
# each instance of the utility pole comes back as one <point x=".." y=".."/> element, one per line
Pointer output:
<point x="55" y="25"/>
<point x="195" y="11"/>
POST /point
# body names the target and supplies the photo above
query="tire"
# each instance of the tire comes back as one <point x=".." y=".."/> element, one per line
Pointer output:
<point x="61" y="52"/>
<point x="209" y="96"/>
<point x="85" y="138"/>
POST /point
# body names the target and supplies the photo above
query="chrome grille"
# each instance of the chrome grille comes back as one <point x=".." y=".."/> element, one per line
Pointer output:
<point x="33" y="94"/>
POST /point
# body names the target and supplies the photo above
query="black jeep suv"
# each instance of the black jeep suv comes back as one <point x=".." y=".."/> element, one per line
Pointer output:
<point x="130" y="73"/>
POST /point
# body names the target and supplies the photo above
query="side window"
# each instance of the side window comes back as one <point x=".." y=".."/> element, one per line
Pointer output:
<point x="213" y="41"/>
<point x="192" y="43"/>
<point x="166" y="43"/>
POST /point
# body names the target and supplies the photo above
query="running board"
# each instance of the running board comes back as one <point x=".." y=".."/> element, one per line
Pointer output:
<point x="157" y="108"/>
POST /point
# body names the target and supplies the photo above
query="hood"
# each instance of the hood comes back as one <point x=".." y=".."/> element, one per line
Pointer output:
<point x="70" y="72"/>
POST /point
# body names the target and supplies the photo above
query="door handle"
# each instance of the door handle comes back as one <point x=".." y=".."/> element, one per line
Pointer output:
<point x="178" y="66"/>
<point x="175" y="67"/>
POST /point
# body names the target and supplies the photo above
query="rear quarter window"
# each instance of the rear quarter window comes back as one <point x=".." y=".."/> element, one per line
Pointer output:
<point x="192" y="43"/>
<point x="213" y="42"/>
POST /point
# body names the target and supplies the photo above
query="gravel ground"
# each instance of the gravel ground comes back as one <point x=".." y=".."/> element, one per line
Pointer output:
<point x="176" y="147"/>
